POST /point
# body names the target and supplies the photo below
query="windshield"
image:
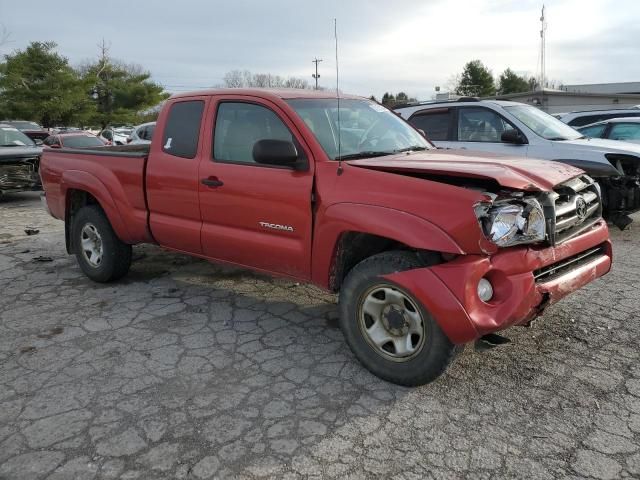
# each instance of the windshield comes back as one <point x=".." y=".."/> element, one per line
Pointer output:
<point x="543" y="124"/>
<point x="366" y="128"/>
<point x="12" y="137"/>
<point x="81" y="141"/>
<point x="20" y="125"/>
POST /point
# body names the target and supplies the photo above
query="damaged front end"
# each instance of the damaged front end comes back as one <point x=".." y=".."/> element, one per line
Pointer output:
<point x="19" y="174"/>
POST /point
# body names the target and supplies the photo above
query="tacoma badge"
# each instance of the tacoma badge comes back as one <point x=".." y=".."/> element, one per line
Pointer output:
<point x="276" y="226"/>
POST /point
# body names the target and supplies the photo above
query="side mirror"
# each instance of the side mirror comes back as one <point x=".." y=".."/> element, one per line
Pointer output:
<point x="55" y="145"/>
<point x="513" y="136"/>
<point x="38" y="142"/>
<point x="422" y="132"/>
<point x="276" y="152"/>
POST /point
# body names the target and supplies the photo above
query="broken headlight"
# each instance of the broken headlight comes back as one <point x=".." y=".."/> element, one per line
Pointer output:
<point x="512" y="222"/>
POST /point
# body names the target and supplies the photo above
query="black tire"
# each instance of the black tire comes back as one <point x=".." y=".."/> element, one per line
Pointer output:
<point x="116" y="255"/>
<point x="436" y="352"/>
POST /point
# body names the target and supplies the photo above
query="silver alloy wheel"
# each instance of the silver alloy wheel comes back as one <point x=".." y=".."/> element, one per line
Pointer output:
<point x="391" y="323"/>
<point x="91" y="244"/>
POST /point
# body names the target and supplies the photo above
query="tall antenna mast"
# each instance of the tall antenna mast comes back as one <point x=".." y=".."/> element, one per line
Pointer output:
<point x="335" y="34"/>
<point x="543" y="31"/>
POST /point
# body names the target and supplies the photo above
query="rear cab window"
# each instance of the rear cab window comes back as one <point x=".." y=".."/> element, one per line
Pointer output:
<point x="182" y="129"/>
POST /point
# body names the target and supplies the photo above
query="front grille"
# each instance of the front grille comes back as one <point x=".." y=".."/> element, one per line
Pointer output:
<point x="558" y="269"/>
<point x="18" y="176"/>
<point x="577" y="207"/>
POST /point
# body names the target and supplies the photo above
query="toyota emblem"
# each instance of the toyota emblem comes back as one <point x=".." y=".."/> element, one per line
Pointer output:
<point x="581" y="208"/>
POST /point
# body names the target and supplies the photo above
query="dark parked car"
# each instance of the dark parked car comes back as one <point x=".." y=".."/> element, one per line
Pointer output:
<point x="19" y="161"/>
<point x="30" y="129"/>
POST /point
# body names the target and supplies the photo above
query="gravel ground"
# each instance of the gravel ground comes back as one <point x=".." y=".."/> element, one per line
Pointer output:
<point x="188" y="370"/>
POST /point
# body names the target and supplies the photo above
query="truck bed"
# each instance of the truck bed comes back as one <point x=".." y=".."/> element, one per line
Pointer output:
<point x="116" y="174"/>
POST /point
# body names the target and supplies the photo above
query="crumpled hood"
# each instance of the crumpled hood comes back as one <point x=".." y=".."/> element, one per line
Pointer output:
<point x="511" y="172"/>
<point x="604" y="145"/>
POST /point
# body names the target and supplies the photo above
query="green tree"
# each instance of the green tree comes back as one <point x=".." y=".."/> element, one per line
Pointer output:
<point x="510" y="82"/>
<point x="120" y="92"/>
<point x="388" y="99"/>
<point x="476" y="81"/>
<point x="38" y="84"/>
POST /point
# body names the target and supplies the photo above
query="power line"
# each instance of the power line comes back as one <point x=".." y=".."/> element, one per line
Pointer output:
<point x="316" y="75"/>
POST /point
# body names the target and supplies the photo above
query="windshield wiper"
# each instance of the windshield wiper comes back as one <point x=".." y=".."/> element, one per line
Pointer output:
<point x="367" y="154"/>
<point x="11" y="145"/>
<point x="414" y="148"/>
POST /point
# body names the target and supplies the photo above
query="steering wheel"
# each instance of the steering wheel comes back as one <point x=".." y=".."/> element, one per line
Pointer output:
<point x="364" y="138"/>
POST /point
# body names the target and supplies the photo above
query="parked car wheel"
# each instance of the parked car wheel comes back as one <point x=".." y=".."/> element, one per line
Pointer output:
<point x="102" y="256"/>
<point x="387" y="328"/>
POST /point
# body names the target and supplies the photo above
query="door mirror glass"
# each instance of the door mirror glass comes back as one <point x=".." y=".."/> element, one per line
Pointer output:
<point x="513" y="136"/>
<point x="275" y="152"/>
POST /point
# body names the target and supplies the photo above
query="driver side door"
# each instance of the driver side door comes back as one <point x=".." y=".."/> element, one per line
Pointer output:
<point x="253" y="214"/>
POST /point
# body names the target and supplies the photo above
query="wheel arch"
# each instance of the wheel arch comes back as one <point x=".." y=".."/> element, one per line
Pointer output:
<point x="81" y="189"/>
<point x="349" y="233"/>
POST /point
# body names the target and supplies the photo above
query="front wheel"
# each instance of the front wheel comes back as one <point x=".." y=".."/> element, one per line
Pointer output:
<point x="102" y="256"/>
<point x="387" y="328"/>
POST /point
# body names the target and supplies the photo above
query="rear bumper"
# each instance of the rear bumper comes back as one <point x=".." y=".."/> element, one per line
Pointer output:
<point x="525" y="281"/>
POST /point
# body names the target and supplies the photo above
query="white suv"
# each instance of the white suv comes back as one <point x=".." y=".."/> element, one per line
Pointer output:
<point x="518" y="129"/>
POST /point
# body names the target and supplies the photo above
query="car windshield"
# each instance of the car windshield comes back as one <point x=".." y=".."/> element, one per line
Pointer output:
<point x="363" y="128"/>
<point x="543" y="124"/>
<point x="12" y="137"/>
<point x="81" y="141"/>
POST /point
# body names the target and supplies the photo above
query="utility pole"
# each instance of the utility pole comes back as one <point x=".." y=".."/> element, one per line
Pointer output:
<point x="543" y="31"/>
<point x="316" y="75"/>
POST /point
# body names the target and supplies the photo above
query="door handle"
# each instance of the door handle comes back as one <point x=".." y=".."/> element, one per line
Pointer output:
<point x="212" y="182"/>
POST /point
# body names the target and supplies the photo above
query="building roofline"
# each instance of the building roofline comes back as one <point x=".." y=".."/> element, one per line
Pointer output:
<point x="564" y="93"/>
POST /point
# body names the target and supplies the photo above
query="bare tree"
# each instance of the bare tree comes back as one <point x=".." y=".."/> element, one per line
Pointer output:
<point x="244" y="79"/>
<point x="295" y="82"/>
<point x="5" y="35"/>
<point x="234" y="79"/>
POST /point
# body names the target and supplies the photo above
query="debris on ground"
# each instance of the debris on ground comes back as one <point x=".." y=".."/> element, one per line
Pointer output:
<point x="31" y="231"/>
<point x="42" y="259"/>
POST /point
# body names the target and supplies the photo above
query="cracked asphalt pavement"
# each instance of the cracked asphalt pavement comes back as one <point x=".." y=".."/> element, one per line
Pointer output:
<point x="188" y="370"/>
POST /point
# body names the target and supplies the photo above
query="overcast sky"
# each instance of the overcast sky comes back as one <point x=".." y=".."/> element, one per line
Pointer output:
<point x="383" y="46"/>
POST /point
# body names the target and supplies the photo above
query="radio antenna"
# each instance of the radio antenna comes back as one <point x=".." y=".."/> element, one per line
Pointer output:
<point x="335" y="34"/>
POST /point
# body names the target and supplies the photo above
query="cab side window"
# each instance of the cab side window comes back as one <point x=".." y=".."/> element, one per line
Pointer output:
<point x="239" y="126"/>
<point x="434" y="123"/>
<point x="481" y="125"/>
<point x="182" y="130"/>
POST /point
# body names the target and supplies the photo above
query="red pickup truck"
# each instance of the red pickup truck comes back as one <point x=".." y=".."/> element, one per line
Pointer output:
<point x="427" y="248"/>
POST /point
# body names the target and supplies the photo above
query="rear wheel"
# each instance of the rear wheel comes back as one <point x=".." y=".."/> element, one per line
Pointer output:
<point x="102" y="256"/>
<point x="387" y="328"/>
